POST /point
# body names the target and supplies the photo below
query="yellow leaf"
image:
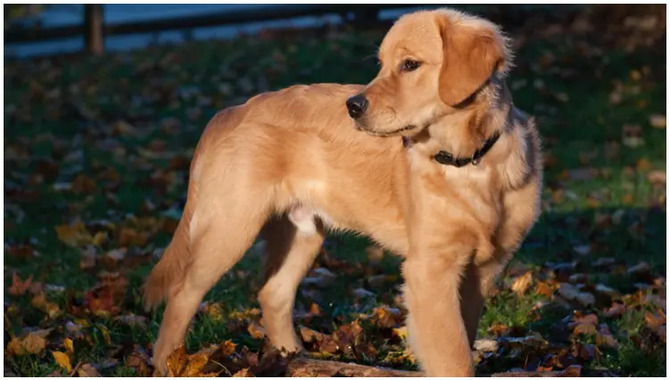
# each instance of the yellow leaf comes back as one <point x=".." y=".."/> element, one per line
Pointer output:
<point x="99" y="238"/>
<point x="400" y="332"/>
<point x="62" y="360"/>
<point x="69" y="346"/>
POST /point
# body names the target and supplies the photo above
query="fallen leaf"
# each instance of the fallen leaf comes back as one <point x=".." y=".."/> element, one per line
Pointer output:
<point x="583" y="249"/>
<point x="545" y="288"/>
<point x="522" y="283"/>
<point x="33" y="343"/>
<point x="132" y="320"/>
<point x="62" y="360"/>
<point x="228" y="347"/>
<point x="139" y="360"/>
<point x="88" y="258"/>
<point x="656" y="176"/>
<point x="244" y="372"/>
<point x="74" y="234"/>
<point x="256" y="331"/>
<point x="386" y="317"/>
<point x="196" y="362"/>
<point x="604" y="337"/>
<point x="585" y="329"/>
<point x="653" y="320"/>
<point x="18" y="286"/>
<point x="639" y="270"/>
<point x="615" y="311"/>
<point x="643" y="164"/>
<point x="632" y="136"/>
<point x="400" y="332"/>
<point x="486" y="345"/>
<point x="308" y="335"/>
<point x="69" y="346"/>
<point x="87" y="370"/>
<point x="657" y="121"/>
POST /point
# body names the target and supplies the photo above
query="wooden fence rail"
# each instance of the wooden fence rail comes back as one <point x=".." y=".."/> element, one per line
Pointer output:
<point x="93" y="21"/>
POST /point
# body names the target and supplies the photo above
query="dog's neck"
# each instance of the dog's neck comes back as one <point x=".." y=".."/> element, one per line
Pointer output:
<point x="468" y="130"/>
<point x="466" y="134"/>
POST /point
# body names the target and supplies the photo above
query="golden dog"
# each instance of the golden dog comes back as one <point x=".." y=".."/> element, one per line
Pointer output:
<point x="455" y="195"/>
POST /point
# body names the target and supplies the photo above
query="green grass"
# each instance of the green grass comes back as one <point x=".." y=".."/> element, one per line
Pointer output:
<point x="55" y="144"/>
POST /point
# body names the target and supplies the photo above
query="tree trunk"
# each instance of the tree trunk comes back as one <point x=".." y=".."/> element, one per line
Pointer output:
<point x="93" y="29"/>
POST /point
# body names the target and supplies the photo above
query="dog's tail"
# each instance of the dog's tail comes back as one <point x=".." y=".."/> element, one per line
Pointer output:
<point x="169" y="273"/>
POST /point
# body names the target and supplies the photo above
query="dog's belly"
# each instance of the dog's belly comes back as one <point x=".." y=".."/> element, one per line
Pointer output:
<point x="344" y="200"/>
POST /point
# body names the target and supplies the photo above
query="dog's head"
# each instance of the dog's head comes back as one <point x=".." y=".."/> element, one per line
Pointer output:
<point x="432" y="63"/>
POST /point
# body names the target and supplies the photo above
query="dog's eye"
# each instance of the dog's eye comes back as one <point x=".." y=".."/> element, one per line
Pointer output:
<point x="409" y="65"/>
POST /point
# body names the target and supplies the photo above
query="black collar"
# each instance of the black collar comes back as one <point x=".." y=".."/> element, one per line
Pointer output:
<point x="446" y="158"/>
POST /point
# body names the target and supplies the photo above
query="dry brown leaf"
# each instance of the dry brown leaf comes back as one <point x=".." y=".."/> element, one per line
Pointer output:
<point x="256" y="331"/>
<point x="653" y="321"/>
<point x="87" y="370"/>
<point x="657" y="121"/>
<point x="176" y="361"/>
<point x="605" y="338"/>
<point x="308" y="335"/>
<point x="386" y="317"/>
<point x="132" y="320"/>
<point x="62" y="360"/>
<point x="544" y="288"/>
<point x="657" y="176"/>
<point x="195" y="364"/>
<point x="139" y="360"/>
<point x="522" y="283"/>
<point x="244" y="372"/>
<point x="585" y="329"/>
<point x="643" y="164"/>
<point x="228" y="347"/>
<point x="632" y="135"/>
<point x="33" y="343"/>
<point x="88" y="258"/>
<point x="74" y="234"/>
<point x="18" y="286"/>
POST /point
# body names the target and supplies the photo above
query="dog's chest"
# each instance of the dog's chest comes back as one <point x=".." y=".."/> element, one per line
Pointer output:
<point x="475" y="191"/>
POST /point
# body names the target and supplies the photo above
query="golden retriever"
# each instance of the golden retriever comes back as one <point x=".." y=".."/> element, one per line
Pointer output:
<point x="453" y="185"/>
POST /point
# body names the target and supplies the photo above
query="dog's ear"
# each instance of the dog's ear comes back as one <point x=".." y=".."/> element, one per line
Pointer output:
<point x="471" y="55"/>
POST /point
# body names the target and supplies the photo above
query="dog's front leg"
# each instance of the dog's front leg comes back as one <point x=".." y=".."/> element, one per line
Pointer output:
<point x="437" y="332"/>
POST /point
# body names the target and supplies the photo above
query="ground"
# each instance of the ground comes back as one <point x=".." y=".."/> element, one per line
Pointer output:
<point x="96" y="164"/>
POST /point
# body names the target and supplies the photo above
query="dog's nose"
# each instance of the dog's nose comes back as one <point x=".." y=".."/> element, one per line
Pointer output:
<point x="356" y="105"/>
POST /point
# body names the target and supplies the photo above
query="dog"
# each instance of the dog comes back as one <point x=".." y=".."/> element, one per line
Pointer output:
<point x="430" y="159"/>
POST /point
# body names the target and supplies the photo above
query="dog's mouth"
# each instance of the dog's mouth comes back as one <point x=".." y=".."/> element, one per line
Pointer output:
<point x="362" y="127"/>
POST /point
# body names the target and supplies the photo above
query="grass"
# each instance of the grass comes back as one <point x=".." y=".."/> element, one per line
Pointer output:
<point x="131" y="178"/>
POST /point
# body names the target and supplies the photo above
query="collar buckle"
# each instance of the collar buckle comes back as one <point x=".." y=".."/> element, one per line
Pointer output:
<point x="476" y="161"/>
<point x="446" y="158"/>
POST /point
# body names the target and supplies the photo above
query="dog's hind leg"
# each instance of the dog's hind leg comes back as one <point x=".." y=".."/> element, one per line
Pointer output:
<point x="220" y="234"/>
<point x="293" y="242"/>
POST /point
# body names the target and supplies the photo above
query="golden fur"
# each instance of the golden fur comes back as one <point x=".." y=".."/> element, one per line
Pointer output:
<point x="291" y="163"/>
